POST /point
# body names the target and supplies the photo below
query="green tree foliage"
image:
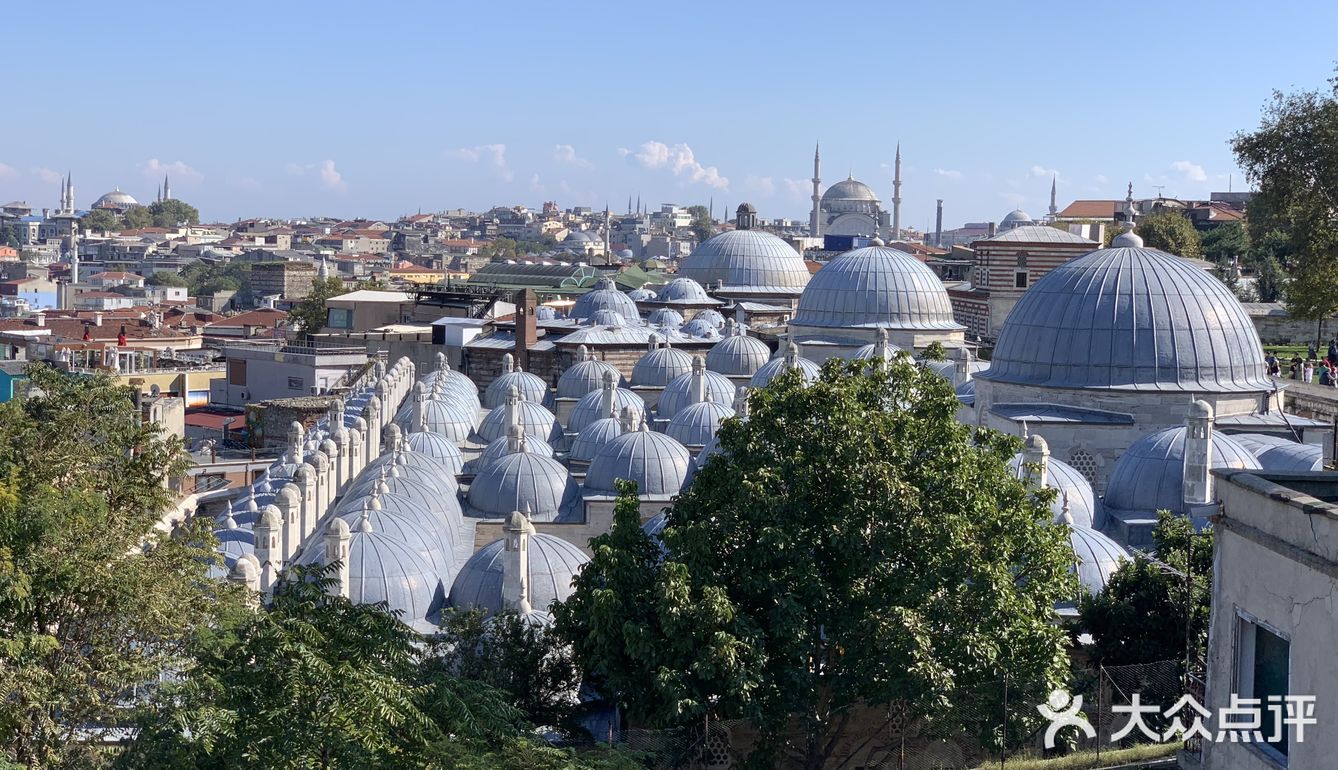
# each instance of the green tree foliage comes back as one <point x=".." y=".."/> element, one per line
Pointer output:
<point x="100" y="220"/>
<point x="1270" y="281"/>
<point x="1140" y="617"/>
<point x="204" y="278"/>
<point x="94" y="601"/>
<point x="165" y="278"/>
<point x="308" y="315"/>
<point x="853" y="545"/>
<point x="935" y="352"/>
<point x="702" y="225"/>
<point x="137" y="217"/>
<point x="173" y="213"/>
<point x="506" y="248"/>
<point x="1169" y="231"/>
<point x="1291" y="161"/>
<point x="1226" y="242"/>
<point x="529" y="663"/>
<point x="9" y="237"/>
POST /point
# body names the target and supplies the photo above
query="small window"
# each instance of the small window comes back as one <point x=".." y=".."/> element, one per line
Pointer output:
<point x="296" y="383"/>
<point x="1020" y="279"/>
<point x="1263" y="669"/>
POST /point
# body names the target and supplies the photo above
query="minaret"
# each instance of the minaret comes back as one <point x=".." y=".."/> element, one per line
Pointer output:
<point x="896" y="197"/>
<point x="1198" y="455"/>
<point x="1054" y="203"/>
<point x="815" y="218"/>
<point x="516" y="562"/>
<point x="167" y="189"/>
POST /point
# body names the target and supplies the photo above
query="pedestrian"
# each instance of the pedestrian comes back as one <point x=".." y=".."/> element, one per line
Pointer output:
<point x="1308" y="371"/>
<point x="1311" y="352"/>
<point x="1295" y="369"/>
<point x="1271" y="361"/>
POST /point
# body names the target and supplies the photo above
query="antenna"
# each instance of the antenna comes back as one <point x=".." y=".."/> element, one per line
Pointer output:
<point x="1159" y="188"/>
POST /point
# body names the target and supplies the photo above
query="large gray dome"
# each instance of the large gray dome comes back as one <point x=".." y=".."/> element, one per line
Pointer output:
<point x="849" y="190"/>
<point x="658" y="464"/>
<point x="678" y="393"/>
<point x="683" y="291"/>
<point x="746" y="258"/>
<point x="554" y="564"/>
<point x="525" y="481"/>
<point x="876" y="286"/>
<point x="530" y="386"/>
<point x="1150" y="475"/>
<point x="1133" y="319"/>
<point x="605" y="296"/>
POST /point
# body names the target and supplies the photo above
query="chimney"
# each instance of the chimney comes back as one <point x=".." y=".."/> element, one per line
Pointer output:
<point x="938" y="225"/>
<point x="993" y="229"/>
<point x="97" y="319"/>
<point x="526" y="331"/>
<point x="41" y="319"/>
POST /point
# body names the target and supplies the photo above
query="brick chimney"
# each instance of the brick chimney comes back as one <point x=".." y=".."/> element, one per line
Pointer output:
<point x="526" y="331"/>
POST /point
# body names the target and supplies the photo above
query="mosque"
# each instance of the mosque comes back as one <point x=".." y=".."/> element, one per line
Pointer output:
<point x="851" y="207"/>
<point x="1129" y="373"/>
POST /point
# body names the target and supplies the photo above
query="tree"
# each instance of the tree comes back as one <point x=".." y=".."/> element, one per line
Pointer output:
<point x="1169" y="231"/>
<point x="1226" y="243"/>
<point x="137" y="217"/>
<point x="1141" y="616"/>
<point x="100" y="220"/>
<point x="527" y="662"/>
<point x="1291" y="161"/>
<point x="308" y="315"/>
<point x="95" y="602"/>
<point x="173" y="213"/>
<point x="1269" y="280"/>
<point x="702" y="225"/>
<point x="204" y="278"/>
<point x="852" y="546"/>
<point x="165" y="278"/>
<point x="9" y="236"/>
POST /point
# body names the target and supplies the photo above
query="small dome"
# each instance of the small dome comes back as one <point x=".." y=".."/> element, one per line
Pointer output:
<point x="1095" y="558"/>
<point x="531" y="387"/>
<point x="641" y="295"/>
<point x="660" y="366"/>
<point x="1065" y="480"/>
<point x="738" y="355"/>
<point x="665" y="316"/>
<point x="449" y="418"/>
<point x="432" y="493"/>
<point x="545" y="313"/>
<point x="605" y="296"/>
<point x="383" y="569"/>
<point x="711" y="316"/>
<point x="657" y="463"/>
<point x="1292" y="457"/>
<point x="655" y="525"/>
<point x="778" y="366"/>
<point x="880" y="349"/>
<point x="450" y="380"/>
<point x="606" y="318"/>
<point x="438" y="447"/>
<point x="502" y="447"/>
<point x="1015" y="218"/>
<point x="591" y="407"/>
<point x="1130" y="319"/>
<point x="696" y="424"/>
<point x="594" y="436"/>
<point x="876" y="286"/>
<point x="746" y="258"/>
<point x="684" y="291"/>
<point x="539" y="424"/>
<point x="699" y="328"/>
<point x="586" y="377"/>
<point x="677" y="394"/>
<point x="525" y="481"/>
<point x="1150" y="475"/>
<point x="554" y="564"/>
<point x="422" y="537"/>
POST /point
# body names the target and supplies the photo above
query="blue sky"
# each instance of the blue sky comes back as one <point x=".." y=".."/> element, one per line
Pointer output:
<point x="379" y="109"/>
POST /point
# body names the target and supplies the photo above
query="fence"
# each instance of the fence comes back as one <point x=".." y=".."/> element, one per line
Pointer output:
<point x="997" y="725"/>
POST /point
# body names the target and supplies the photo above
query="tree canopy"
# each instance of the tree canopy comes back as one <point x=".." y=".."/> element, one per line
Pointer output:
<point x="1226" y="242"/>
<point x="702" y="225"/>
<point x="95" y="602"/>
<point x="1169" y="231"/>
<point x="100" y="220"/>
<point x="851" y="545"/>
<point x="165" y="278"/>
<point x="308" y="315"/>
<point x="173" y="213"/>
<point x="1291" y="160"/>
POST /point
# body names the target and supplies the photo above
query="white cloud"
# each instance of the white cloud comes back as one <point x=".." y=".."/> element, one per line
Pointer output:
<point x="1043" y="171"/>
<point x="331" y="178"/>
<point x="47" y="175"/>
<point x="763" y="185"/>
<point x="798" y="188"/>
<point x="535" y="185"/>
<point x="948" y="173"/>
<point x="492" y="154"/>
<point x="1191" y="171"/>
<point x="1013" y="199"/>
<point x="155" y="168"/>
<point x="1101" y="179"/>
<point x="566" y="154"/>
<point x="8" y="172"/>
<point x="680" y="160"/>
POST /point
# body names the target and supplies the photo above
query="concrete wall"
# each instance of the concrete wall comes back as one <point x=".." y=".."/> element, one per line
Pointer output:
<point x="1276" y="563"/>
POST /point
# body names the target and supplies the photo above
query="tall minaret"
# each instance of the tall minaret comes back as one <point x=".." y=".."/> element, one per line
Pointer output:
<point x="814" y="219"/>
<point x="1054" y="203"/>
<point x="896" y="197"/>
<point x="167" y="189"/>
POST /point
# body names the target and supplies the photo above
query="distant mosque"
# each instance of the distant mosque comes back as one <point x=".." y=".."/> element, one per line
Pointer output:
<point x="852" y="208"/>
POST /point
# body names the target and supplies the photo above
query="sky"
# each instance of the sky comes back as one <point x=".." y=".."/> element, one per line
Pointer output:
<point x="288" y="109"/>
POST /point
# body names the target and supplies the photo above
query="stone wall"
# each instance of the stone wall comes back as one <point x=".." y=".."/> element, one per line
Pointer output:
<point x="268" y="421"/>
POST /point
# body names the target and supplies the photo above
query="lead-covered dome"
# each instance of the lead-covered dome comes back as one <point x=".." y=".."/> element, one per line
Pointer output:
<point x="1150" y="475"/>
<point x="737" y="354"/>
<point x="683" y="291"/>
<point x="848" y="190"/>
<point x="1130" y="318"/>
<point x="1070" y="487"/>
<point x="384" y="569"/>
<point x="657" y="463"/>
<point x="605" y="296"/>
<point x="553" y="563"/>
<point x="586" y="376"/>
<point x="876" y="286"/>
<point x="531" y="387"/>
<point x="678" y="393"/>
<point x="1095" y="558"/>
<point x="660" y="366"/>
<point x="538" y="422"/>
<point x="438" y="447"/>
<point x="696" y="424"/>
<point x="750" y="259"/>
<point x="782" y="364"/>
<point x="525" y="481"/>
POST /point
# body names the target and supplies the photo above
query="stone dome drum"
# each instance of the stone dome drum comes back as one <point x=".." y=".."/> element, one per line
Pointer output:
<point x="751" y="259"/>
<point x="876" y="286"/>
<point x="1130" y="318"/>
<point x="554" y="564"/>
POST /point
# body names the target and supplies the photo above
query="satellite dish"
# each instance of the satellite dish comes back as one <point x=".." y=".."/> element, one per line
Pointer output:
<point x="155" y="391"/>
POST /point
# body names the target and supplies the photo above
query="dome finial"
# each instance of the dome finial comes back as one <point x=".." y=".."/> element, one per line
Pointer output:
<point x="1127" y="240"/>
<point x="365" y="523"/>
<point x="876" y="241"/>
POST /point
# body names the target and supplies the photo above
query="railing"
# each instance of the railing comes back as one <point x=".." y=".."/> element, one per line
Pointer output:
<point x="210" y="483"/>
